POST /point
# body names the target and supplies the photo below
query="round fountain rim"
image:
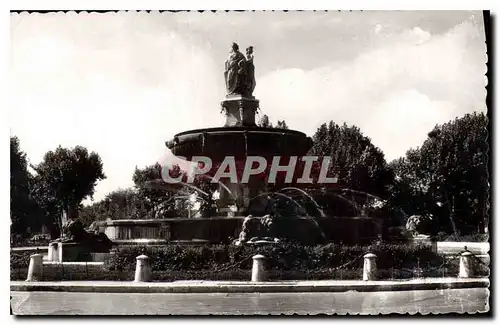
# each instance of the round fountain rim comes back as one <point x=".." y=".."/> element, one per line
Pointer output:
<point x="239" y="129"/>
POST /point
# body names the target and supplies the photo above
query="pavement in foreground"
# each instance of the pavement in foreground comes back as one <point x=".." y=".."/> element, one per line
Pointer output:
<point x="200" y="286"/>
<point x="470" y="300"/>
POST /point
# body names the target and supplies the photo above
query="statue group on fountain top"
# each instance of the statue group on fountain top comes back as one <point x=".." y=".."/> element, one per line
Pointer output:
<point x="239" y="73"/>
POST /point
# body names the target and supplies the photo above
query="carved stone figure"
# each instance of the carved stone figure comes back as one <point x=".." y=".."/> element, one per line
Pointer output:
<point x="267" y="223"/>
<point x="418" y="224"/>
<point x="249" y="229"/>
<point x="234" y="74"/>
<point x="73" y="231"/>
<point x="250" y="72"/>
<point x="257" y="230"/>
<point x="93" y="228"/>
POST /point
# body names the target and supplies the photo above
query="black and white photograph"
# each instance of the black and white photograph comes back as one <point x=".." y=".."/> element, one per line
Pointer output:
<point x="218" y="162"/>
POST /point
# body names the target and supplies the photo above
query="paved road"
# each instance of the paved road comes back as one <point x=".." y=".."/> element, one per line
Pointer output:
<point x="64" y="303"/>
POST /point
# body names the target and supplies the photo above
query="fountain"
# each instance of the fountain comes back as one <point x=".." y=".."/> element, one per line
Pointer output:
<point x="240" y="138"/>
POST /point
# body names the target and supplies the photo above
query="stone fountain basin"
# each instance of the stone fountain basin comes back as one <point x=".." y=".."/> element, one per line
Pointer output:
<point x="355" y="230"/>
<point x="217" y="143"/>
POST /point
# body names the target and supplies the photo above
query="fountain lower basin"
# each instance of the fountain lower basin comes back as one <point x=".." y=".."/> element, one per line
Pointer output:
<point x="348" y="230"/>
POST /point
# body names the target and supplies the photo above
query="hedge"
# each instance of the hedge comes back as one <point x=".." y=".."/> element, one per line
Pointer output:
<point x="283" y="257"/>
<point x="24" y="242"/>
<point x="20" y="259"/>
<point x="284" y="262"/>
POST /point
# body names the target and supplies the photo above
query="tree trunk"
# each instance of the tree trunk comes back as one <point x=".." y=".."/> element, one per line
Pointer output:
<point x="451" y="210"/>
<point x="62" y="219"/>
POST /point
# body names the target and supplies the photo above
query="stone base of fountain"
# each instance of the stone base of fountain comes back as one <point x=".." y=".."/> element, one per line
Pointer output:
<point x="240" y="111"/>
<point x="347" y="230"/>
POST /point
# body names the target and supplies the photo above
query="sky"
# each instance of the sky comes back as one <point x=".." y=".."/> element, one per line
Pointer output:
<point x="121" y="84"/>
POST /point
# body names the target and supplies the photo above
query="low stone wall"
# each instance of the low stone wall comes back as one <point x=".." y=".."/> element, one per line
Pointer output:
<point x="453" y="248"/>
<point x="477" y="248"/>
<point x="72" y="270"/>
<point x="212" y="229"/>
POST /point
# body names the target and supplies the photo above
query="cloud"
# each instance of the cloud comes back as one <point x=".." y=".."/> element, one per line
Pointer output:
<point x="119" y="100"/>
<point x="416" y="80"/>
<point x="406" y="117"/>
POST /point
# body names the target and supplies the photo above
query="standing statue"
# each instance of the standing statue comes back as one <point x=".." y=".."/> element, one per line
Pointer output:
<point x="250" y="70"/>
<point x="235" y="74"/>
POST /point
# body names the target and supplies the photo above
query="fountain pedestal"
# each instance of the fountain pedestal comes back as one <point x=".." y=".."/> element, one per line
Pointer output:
<point x="240" y="111"/>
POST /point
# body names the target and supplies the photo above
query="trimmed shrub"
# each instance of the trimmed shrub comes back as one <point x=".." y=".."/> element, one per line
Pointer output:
<point x="282" y="257"/>
<point x="26" y="242"/>
<point x="19" y="259"/>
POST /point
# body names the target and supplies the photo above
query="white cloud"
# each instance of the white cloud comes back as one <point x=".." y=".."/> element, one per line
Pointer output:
<point x="414" y="82"/>
<point x="403" y="120"/>
<point x="122" y="103"/>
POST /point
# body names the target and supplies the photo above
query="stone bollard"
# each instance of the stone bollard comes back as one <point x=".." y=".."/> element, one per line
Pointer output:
<point x="370" y="267"/>
<point x="466" y="268"/>
<point x="258" y="271"/>
<point x="35" y="268"/>
<point x="142" y="269"/>
<point x="60" y="252"/>
<point x="53" y="252"/>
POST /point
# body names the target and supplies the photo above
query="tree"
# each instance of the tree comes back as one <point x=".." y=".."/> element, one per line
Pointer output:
<point x="157" y="202"/>
<point x="410" y="185"/>
<point x="358" y="164"/>
<point x="64" y="178"/>
<point x="448" y="176"/>
<point x="149" y="199"/>
<point x="460" y="172"/>
<point x="22" y="206"/>
<point x="408" y="192"/>
<point x="117" y="205"/>
<point x="93" y="212"/>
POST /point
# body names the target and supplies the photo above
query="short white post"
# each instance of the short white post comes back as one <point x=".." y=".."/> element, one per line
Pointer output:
<point x="142" y="269"/>
<point x="466" y="268"/>
<point x="370" y="267"/>
<point x="53" y="255"/>
<point x="60" y="252"/>
<point x="258" y="271"/>
<point x="35" y="268"/>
